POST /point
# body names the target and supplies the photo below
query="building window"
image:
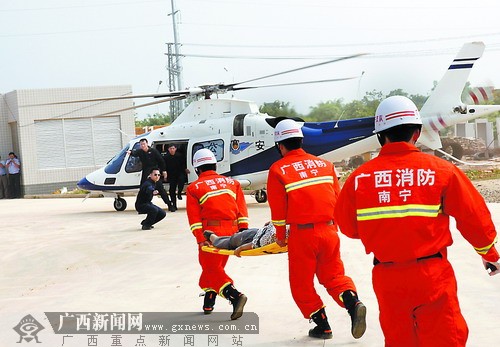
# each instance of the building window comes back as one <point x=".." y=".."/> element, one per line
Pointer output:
<point x="79" y="142"/>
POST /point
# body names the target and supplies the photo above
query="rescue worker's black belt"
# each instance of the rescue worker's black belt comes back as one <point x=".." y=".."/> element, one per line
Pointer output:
<point x="437" y="255"/>
<point x="311" y="225"/>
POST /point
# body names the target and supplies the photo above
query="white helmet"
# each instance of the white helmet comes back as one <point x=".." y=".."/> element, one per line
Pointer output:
<point x="394" y="111"/>
<point x="203" y="156"/>
<point x="287" y="129"/>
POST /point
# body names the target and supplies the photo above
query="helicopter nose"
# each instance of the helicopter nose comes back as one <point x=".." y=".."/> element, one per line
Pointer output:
<point x="85" y="184"/>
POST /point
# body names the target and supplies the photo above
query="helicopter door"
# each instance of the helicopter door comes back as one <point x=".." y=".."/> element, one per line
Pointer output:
<point x="133" y="169"/>
<point x="218" y="145"/>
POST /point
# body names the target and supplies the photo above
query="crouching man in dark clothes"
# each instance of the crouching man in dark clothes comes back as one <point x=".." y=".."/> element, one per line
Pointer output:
<point x="151" y="187"/>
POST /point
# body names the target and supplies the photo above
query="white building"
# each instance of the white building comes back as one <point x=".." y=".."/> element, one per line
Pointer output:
<point x="481" y="128"/>
<point x="60" y="144"/>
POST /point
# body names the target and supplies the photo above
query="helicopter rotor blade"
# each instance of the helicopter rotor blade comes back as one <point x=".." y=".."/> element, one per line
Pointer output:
<point x="297" y="83"/>
<point x="231" y="86"/>
<point x="207" y="90"/>
<point x="177" y="93"/>
<point x="143" y="105"/>
<point x="123" y="97"/>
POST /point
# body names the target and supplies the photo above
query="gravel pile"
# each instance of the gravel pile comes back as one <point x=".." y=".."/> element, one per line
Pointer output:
<point x="489" y="189"/>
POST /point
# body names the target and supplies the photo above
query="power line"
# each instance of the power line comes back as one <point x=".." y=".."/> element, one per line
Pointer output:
<point x="335" y="5"/>
<point x="83" y="31"/>
<point x="263" y="46"/>
<point x="387" y="43"/>
<point x="78" y="6"/>
<point x="415" y="53"/>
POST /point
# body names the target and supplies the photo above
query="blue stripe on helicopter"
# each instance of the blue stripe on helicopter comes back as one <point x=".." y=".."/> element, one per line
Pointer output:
<point x="460" y="66"/>
<point x="465" y="59"/>
<point x="85" y="184"/>
<point x="319" y="138"/>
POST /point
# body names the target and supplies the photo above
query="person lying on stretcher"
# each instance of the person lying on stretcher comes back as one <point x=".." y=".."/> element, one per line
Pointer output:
<point x="243" y="240"/>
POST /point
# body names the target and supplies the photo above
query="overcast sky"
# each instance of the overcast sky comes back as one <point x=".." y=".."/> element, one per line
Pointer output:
<point x="79" y="43"/>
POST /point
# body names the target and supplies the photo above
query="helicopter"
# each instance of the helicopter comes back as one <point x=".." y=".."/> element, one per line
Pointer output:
<point x="242" y="138"/>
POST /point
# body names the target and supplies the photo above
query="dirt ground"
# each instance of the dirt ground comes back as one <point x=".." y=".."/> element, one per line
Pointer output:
<point x="489" y="189"/>
<point x="70" y="255"/>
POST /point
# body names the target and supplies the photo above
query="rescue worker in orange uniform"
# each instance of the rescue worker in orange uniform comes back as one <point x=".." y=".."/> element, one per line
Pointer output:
<point x="399" y="205"/>
<point x="217" y="203"/>
<point x="302" y="192"/>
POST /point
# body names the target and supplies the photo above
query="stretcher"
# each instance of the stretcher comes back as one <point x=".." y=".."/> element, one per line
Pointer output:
<point x="272" y="248"/>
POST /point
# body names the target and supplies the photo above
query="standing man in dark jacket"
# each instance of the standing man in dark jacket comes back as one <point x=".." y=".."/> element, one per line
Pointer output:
<point x="151" y="187"/>
<point x="4" y="180"/>
<point x="150" y="158"/>
<point x="176" y="171"/>
<point x="13" y="166"/>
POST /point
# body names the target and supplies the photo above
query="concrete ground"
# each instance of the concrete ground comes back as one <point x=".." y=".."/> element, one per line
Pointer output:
<point x="70" y="255"/>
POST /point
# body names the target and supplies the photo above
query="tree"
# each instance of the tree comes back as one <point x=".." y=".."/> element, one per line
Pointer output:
<point x="360" y="108"/>
<point x="371" y="101"/>
<point x="366" y="107"/>
<point x="418" y="99"/>
<point x="325" y="111"/>
<point x="398" y="91"/>
<point x="156" y="119"/>
<point x="278" y="108"/>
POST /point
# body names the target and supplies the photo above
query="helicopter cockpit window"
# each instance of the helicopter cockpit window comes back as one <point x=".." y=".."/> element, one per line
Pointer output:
<point x="238" y="125"/>
<point x="134" y="164"/>
<point x="216" y="146"/>
<point x="114" y="165"/>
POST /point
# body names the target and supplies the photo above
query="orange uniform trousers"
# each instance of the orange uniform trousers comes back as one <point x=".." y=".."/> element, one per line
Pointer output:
<point x="313" y="251"/>
<point x="213" y="275"/>
<point x="418" y="304"/>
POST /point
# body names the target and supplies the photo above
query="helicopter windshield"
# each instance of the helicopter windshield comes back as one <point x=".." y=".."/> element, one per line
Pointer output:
<point x="133" y="163"/>
<point x="114" y="165"/>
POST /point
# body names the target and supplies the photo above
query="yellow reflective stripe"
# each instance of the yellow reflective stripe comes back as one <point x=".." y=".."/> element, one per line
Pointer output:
<point x="279" y="223"/>
<point x="221" y="290"/>
<point x="308" y="182"/>
<point x="243" y="220"/>
<point x="410" y="210"/>
<point x="195" y="226"/>
<point x="208" y="195"/>
<point x="484" y="250"/>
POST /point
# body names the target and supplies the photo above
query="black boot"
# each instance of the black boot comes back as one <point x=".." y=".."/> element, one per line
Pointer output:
<point x="357" y="311"/>
<point x="209" y="302"/>
<point x="237" y="299"/>
<point x="322" y="329"/>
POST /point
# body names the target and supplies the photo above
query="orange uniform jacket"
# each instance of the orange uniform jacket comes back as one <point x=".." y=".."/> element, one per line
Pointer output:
<point x="301" y="180"/>
<point x="399" y="205"/>
<point x="302" y="191"/>
<point x="215" y="197"/>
